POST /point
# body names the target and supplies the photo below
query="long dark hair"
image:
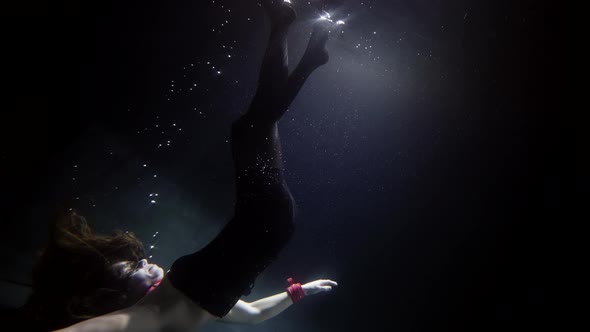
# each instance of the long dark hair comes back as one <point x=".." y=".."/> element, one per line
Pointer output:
<point x="73" y="279"/>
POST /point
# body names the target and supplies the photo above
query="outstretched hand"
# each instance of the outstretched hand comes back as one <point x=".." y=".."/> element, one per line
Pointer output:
<point x="321" y="285"/>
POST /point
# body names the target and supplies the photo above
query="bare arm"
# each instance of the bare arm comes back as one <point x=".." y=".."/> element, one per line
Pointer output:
<point x="258" y="311"/>
<point x="268" y="307"/>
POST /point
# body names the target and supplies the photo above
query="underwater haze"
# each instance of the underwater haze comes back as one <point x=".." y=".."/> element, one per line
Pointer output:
<point x="412" y="155"/>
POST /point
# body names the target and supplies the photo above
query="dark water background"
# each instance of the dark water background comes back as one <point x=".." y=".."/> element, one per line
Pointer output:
<point x="413" y="155"/>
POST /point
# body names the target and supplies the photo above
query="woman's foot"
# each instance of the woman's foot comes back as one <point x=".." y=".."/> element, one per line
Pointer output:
<point x="280" y="12"/>
<point x="316" y="53"/>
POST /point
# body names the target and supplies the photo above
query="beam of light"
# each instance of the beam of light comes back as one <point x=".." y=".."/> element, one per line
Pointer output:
<point x="325" y="16"/>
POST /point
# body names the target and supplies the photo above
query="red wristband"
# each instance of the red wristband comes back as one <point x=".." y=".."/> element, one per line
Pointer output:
<point x="295" y="291"/>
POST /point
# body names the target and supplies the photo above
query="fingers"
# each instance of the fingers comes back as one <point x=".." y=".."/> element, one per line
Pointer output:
<point x="332" y="283"/>
<point x="327" y="282"/>
<point x="318" y="286"/>
<point x="326" y="285"/>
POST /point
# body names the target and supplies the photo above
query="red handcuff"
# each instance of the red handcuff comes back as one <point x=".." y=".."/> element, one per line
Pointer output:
<point x="295" y="291"/>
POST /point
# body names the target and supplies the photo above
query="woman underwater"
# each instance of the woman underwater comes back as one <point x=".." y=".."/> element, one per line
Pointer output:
<point x="103" y="283"/>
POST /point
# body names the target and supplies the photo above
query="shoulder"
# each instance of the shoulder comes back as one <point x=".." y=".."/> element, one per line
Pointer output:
<point x="115" y="322"/>
<point x="164" y="309"/>
<point x="132" y="319"/>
